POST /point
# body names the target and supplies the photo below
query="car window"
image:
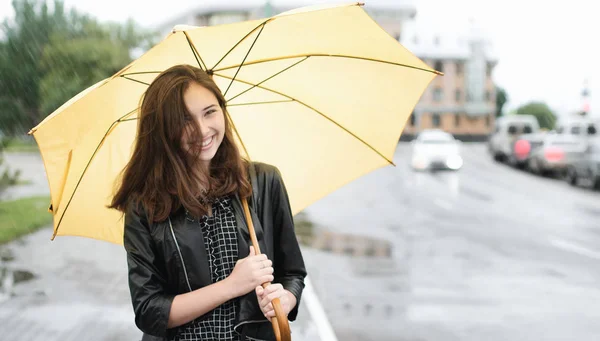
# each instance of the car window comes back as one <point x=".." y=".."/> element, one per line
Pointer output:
<point x="436" y="138"/>
<point x="560" y="130"/>
<point x="591" y="130"/>
<point x="512" y="129"/>
<point x="576" y="130"/>
<point x="527" y="129"/>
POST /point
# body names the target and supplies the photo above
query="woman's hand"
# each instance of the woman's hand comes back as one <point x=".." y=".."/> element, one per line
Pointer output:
<point x="250" y="272"/>
<point x="273" y="291"/>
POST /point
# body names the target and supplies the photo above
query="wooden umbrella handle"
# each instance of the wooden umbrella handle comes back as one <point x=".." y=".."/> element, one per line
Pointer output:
<point x="281" y="326"/>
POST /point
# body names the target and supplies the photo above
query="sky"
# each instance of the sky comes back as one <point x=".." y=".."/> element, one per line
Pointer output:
<point x="545" y="50"/>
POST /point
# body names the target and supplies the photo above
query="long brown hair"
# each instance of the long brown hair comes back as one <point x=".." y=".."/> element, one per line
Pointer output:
<point x="161" y="176"/>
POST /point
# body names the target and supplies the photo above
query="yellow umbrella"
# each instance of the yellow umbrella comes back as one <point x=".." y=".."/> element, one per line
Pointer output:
<point x="321" y="92"/>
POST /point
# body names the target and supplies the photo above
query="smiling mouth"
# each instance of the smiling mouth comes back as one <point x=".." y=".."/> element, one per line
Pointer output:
<point x="207" y="143"/>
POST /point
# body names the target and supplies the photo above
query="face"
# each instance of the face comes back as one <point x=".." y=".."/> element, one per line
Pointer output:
<point x="205" y="110"/>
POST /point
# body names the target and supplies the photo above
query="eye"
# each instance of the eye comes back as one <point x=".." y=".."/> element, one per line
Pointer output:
<point x="210" y="112"/>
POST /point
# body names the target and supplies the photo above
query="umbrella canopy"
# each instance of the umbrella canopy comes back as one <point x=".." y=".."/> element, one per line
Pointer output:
<point x="323" y="93"/>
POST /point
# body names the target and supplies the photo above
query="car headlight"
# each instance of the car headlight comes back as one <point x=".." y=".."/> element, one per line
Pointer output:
<point x="454" y="162"/>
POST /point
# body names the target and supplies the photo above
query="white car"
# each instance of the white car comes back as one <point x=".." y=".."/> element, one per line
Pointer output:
<point x="436" y="149"/>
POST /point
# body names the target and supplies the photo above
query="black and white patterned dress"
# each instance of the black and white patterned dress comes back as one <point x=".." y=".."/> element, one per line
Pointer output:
<point x="220" y="239"/>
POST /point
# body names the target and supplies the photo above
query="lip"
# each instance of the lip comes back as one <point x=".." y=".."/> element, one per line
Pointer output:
<point x="212" y="141"/>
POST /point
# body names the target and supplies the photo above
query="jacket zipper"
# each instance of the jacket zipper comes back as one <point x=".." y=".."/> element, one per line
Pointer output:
<point x="180" y="255"/>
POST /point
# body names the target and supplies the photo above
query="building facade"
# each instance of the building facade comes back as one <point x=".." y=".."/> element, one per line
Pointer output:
<point x="463" y="100"/>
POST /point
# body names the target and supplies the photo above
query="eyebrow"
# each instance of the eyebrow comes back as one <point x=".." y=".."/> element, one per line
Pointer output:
<point x="208" y="107"/>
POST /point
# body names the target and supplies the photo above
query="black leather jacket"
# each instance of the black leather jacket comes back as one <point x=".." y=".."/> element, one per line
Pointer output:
<point x="165" y="261"/>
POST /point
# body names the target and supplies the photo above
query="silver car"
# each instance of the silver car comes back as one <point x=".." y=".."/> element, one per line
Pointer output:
<point x="435" y="149"/>
<point x="586" y="166"/>
<point x="555" y="154"/>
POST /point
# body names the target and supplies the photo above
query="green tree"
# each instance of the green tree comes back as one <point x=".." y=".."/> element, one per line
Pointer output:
<point x="501" y="99"/>
<point x="545" y="116"/>
<point x="47" y="56"/>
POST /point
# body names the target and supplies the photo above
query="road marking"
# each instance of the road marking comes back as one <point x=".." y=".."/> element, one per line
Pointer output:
<point x="317" y="312"/>
<point x="569" y="246"/>
<point x="443" y="204"/>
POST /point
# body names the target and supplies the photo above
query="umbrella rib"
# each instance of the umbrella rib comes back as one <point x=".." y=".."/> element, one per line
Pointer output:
<point x="330" y="55"/>
<point x="316" y="111"/>
<point x="135" y="80"/>
<point x="278" y="73"/>
<point x="257" y="103"/>
<point x="195" y="51"/>
<point x="238" y="43"/>
<point x="246" y="56"/>
<point x="86" y="168"/>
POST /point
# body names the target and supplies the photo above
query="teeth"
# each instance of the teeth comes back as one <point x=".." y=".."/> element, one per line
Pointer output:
<point x="207" y="142"/>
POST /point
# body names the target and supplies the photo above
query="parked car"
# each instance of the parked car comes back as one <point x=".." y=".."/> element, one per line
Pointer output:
<point x="577" y="126"/>
<point x="508" y="129"/>
<point x="434" y="149"/>
<point x="555" y="154"/>
<point x="525" y="146"/>
<point x="586" y="166"/>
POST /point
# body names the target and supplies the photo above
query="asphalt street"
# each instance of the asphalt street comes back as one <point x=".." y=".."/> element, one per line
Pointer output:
<point x="485" y="253"/>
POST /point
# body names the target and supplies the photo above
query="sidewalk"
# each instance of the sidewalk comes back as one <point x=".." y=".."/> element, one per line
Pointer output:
<point x="79" y="292"/>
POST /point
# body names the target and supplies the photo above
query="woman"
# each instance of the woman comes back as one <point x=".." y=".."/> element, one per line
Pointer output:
<point x="192" y="272"/>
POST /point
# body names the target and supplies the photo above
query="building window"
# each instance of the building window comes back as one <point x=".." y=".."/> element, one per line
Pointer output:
<point x="460" y="68"/>
<point x="488" y="96"/>
<point x="438" y="94"/>
<point x="412" y="119"/>
<point x="435" y="120"/>
<point x="488" y="70"/>
<point x="457" y="120"/>
<point x="488" y="120"/>
<point x="458" y="95"/>
<point x="439" y="66"/>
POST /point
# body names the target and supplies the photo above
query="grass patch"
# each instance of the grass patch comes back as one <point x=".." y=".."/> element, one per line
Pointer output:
<point x="23" y="216"/>
<point x="20" y="145"/>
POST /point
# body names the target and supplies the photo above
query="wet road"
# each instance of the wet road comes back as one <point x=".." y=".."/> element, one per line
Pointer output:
<point x="486" y="253"/>
<point x="74" y="288"/>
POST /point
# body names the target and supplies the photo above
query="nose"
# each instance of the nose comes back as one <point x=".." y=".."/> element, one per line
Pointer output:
<point x="204" y="129"/>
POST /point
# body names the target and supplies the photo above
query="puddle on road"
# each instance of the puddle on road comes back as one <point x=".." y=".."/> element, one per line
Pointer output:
<point x="9" y="277"/>
<point x="6" y="255"/>
<point x="369" y="259"/>
<point x="340" y="243"/>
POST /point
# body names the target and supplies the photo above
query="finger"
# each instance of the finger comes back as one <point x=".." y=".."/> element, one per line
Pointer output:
<point x="274" y="295"/>
<point x="260" y="258"/>
<point x="266" y="279"/>
<point x="252" y="252"/>
<point x="265" y="304"/>
<point x="268" y="298"/>
<point x="273" y="287"/>
<point x="270" y="314"/>
<point x="267" y="271"/>
<point x="260" y="291"/>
